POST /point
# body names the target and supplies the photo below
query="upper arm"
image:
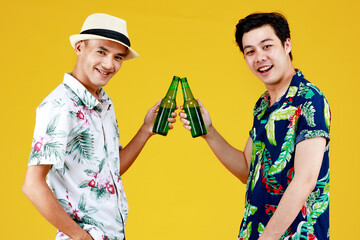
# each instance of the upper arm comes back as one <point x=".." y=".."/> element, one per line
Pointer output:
<point x="248" y="152"/>
<point x="308" y="160"/>
<point x="35" y="174"/>
<point x="247" y="161"/>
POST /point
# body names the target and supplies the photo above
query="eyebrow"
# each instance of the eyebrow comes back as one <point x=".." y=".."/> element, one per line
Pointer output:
<point x="119" y="54"/>
<point x="265" y="40"/>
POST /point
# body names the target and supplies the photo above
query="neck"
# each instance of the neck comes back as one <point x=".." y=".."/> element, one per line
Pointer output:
<point x="276" y="91"/>
<point x="94" y="90"/>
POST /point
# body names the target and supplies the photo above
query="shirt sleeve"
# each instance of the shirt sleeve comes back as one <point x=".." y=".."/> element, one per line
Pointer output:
<point x="50" y="135"/>
<point x="314" y="120"/>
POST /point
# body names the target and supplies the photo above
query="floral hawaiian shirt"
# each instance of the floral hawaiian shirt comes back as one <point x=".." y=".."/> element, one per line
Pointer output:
<point x="302" y="113"/>
<point x="78" y="135"/>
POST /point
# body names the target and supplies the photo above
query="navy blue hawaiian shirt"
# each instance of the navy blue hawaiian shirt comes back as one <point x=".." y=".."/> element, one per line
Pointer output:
<point x="302" y="113"/>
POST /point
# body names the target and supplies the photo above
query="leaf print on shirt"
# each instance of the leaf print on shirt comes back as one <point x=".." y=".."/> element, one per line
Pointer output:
<point x="318" y="203"/>
<point x="81" y="214"/>
<point x="269" y="181"/>
<point x="261" y="228"/>
<point x="292" y="91"/>
<point x="288" y="146"/>
<point x="277" y="115"/>
<point x="82" y="143"/>
<point x="301" y="232"/>
<point x="303" y="89"/>
<point x="245" y="235"/>
<point x="257" y="152"/>
<point x="308" y="111"/>
<point x="327" y="114"/>
<point x="263" y="106"/>
<point x="314" y="133"/>
<point x="89" y="100"/>
<point x="312" y="86"/>
<point x="47" y="145"/>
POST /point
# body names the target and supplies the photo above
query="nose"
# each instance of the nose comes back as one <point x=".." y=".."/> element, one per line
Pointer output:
<point x="260" y="56"/>
<point x="107" y="62"/>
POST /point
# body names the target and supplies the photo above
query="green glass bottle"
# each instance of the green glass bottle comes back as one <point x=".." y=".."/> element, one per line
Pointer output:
<point x="167" y="106"/>
<point x="192" y="110"/>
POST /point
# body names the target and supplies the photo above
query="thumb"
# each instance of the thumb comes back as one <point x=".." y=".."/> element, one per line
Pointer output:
<point x="156" y="106"/>
<point x="203" y="109"/>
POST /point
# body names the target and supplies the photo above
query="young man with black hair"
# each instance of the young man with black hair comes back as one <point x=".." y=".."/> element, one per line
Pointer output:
<point x="285" y="161"/>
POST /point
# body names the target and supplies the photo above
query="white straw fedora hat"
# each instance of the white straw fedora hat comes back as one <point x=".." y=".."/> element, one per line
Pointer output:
<point x="103" y="26"/>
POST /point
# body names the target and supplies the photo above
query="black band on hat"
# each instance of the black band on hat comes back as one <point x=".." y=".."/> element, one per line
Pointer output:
<point x="108" y="34"/>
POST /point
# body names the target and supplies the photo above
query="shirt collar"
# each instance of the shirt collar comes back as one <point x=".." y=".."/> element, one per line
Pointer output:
<point x="290" y="92"/>
<point x="84" y="95"/>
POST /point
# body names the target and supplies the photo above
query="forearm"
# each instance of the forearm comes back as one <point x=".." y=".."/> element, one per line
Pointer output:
<point x="289" y="207"/>
<point x="233" y="159"/>
<point x="132" y="150"/>
<point x="45" y="202"/>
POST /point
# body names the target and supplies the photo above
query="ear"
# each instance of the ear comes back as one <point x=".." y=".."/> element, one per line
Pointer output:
<point x="287" y="45"/>
<point x="79" y="47"/>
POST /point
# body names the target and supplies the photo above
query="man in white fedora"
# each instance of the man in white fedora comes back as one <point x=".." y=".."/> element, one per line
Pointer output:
<point x="73" y="176"/>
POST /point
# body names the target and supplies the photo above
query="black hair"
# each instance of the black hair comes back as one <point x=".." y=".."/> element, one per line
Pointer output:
<point x="277" y="21"/>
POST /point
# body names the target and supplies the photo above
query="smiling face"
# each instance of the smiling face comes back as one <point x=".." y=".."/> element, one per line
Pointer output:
<point x="267" y="57"/>
<point x="98" y="61"/>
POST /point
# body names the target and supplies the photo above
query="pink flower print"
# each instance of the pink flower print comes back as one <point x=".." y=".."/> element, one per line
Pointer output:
<point x="111" y="189"/>
<point x="303" y="211"/>
<point x="37" y="146"/>
<point x="41" y="141"/>
<point x="80" y="115"/>
<point x="294" y="117"/>
<point x="311" y="237"/>
<point x="45" y="139"/>
<point x="91" y="183"/>
<point x="75" y="103"/>
<point x="266" y="96"/>
<point x="75" y="213"/>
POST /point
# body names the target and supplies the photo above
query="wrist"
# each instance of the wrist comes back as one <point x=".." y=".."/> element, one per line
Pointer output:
<point x="146" y="131"/>
<point x="210" y="132"/>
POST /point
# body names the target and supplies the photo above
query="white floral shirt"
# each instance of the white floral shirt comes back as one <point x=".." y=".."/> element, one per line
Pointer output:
<point x="78" y="135"/>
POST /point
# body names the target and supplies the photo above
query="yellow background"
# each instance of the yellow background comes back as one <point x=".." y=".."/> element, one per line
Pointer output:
<point x="177" y="189"/>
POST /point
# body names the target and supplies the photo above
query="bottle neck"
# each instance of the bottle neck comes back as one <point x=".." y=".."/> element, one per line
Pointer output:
<point x="186" y="90"/>
<point x="171" y="93"/>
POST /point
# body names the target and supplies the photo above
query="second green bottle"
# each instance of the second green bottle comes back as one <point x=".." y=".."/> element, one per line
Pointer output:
<point x="192" y="110"/>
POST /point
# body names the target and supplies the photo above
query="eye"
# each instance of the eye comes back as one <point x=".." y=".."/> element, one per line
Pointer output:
<point x="267" y="46"/>
<point x="249" y="53"/>
<point x="101" y="52"/>
<point x="119" y="58"/>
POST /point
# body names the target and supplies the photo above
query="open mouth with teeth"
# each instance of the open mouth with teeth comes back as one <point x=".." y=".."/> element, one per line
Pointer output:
<point x="265" y="69"/>
<point x="102" y="72"/>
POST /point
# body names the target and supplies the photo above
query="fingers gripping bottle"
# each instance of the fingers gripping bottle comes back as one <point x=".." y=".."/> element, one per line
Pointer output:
<point x="192" y="110"/>
<point x="167" y="106"/>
